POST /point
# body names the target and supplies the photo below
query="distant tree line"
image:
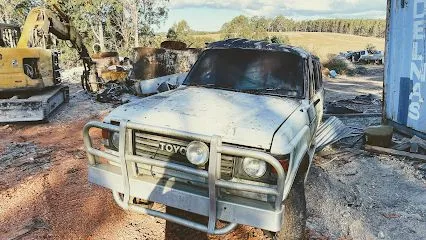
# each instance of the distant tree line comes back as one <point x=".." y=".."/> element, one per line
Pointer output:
<point x="256" y="27"/>
<point x="250" y="28"/>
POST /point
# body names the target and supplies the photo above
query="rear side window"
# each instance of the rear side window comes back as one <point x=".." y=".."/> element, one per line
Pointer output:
<point x="318" y="75"/>
<point x="9" y="36"/>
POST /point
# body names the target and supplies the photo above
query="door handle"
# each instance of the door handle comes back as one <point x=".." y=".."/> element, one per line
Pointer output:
<point x="317" y="101"/>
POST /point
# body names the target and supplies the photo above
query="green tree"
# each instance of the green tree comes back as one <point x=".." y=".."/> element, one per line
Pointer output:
<point x="244" y="27"/>
<point x="279" y="24"/>
<point x="15" y="12"/>
<point x="180" y="31"/>
<point x="171" y="34"/>
<point x="150" y="13"/>
<point x="237" y="27"/>
<point x="259" y="27"/>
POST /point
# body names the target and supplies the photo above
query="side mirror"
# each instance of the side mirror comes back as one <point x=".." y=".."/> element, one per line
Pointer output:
<point x="317" y="101"/>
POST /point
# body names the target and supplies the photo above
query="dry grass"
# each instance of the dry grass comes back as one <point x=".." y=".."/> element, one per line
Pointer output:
<point x="323" y="44"/>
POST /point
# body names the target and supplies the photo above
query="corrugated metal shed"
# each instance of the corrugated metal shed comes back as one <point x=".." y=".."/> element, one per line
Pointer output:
<point x="405" y="67"/>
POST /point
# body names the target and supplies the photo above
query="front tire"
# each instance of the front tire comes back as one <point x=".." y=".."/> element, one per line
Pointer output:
<point x="295" y="215"/>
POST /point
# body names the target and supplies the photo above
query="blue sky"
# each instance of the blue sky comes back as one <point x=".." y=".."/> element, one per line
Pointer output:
<point x="209" y="15"/>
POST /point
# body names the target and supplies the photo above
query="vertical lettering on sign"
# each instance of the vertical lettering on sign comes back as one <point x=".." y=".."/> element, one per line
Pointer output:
<point x="418" y="66"/>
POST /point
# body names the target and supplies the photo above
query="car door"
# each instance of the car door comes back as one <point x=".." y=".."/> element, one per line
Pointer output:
<point x="312" y="112"/>
<point x="318" y="95"/>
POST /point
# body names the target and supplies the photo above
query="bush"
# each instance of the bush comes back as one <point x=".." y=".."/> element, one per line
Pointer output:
<point x="69" y="58"/>
<point x="339" y="64"/>
<point x="281" y="39"/>
<point x="370" y="47"/>
<point x="199" y="41"/>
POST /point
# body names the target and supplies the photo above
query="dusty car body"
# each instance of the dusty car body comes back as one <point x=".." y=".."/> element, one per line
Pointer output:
<point x="255" y="139"/>
<point x="365" y="56"/>
<point x="371" y="56"/>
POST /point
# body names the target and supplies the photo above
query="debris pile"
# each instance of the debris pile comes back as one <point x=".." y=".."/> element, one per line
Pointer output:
<point x="380" y="140"/>
<point x="414" y="148"/>
<point x="414" y="145"/>
<point x="362" y="104"/>
<point x="151" y="68"/>
<point x="25" y="156"/>
<point x="113" y="92"/>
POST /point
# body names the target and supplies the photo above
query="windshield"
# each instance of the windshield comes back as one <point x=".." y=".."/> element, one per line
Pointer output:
<point x="9" y="35"/>
<point x="251" y="71"/>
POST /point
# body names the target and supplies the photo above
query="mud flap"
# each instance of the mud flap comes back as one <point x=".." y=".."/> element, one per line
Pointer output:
<point x="34" y="108"/>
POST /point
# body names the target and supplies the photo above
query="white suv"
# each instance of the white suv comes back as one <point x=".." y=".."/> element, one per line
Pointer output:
<point x="233" y="143"/>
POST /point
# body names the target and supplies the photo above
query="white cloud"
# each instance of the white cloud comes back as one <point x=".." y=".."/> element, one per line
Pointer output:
<point x="294" y="8"/>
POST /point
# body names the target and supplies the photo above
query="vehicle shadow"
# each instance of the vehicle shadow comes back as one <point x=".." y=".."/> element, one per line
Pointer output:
<point x="175" y="231"/>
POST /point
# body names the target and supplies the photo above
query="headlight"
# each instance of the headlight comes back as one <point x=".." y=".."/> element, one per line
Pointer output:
<point x="254" y="168"/>
<point x="115" y="139"/>
<point x="197" y="153"/>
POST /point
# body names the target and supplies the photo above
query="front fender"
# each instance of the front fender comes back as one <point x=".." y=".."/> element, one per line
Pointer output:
<point x="294" y="138"/>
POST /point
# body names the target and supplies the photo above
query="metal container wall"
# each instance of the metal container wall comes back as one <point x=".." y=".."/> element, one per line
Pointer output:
<point x="405" y="67"/>
<point x="152" y="63"/>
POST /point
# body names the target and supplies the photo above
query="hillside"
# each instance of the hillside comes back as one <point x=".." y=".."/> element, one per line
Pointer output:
<point x="321" y="43"/>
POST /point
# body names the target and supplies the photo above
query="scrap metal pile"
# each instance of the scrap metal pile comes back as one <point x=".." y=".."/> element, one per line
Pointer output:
<point x="332" y="131"/>
<point x="153" y="70"/>
<point x="362" y="104"/>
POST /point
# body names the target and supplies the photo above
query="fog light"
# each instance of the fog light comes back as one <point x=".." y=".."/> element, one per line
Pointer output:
<point x="197" y="153"/>
<point x="254" y="168"/>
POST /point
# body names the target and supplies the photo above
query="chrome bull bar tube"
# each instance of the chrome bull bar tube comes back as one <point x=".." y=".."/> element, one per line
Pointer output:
<point x="267" y="158"/>
<point x="200" y="227"/>
<point x="128" y="163"/>
<point x="91" y="152"/>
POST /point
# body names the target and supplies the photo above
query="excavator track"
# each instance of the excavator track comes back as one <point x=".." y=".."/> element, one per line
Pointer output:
<point x="37" y="107"/>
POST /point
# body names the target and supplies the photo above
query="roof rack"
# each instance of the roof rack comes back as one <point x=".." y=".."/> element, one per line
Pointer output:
<point x="242" y="43"/>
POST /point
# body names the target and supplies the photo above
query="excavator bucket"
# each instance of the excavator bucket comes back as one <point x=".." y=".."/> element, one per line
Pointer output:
<point x="36" y="107"/>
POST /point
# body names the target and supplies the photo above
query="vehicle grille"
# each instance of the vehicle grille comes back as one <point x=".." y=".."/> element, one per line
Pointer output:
<point x="169" y="149"/>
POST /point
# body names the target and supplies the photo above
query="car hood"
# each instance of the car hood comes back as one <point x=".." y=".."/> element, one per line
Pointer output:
<point x="239" y="118"/>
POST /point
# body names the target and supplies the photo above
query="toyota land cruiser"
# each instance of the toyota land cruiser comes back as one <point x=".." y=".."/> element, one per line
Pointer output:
<point x="233" y="143"/>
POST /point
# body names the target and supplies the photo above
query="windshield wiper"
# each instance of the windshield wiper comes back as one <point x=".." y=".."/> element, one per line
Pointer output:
<point x="266" y="91"/>
<point x="214" y="87"/>
<point x="262" y="90"/>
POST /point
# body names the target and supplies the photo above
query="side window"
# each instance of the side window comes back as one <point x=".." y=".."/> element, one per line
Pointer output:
<point x="311" y="77"/>
<point x="318" y="76"/>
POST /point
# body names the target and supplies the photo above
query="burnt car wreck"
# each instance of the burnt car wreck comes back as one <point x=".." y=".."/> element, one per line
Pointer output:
<point x="234" y="142"/>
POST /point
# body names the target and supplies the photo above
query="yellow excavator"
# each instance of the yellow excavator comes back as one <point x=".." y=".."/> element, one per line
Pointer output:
<point x="30" y="78"/>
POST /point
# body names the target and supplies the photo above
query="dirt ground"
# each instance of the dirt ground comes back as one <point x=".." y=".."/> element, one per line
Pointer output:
<point x="44" y="192"/>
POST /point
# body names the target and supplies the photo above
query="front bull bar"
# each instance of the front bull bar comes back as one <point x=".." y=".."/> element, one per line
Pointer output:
<point x="127" y="160"/>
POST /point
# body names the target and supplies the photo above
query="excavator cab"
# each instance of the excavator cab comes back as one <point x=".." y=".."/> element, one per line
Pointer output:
<point x="9" y="35"/>
<point x="25" y="69"/>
